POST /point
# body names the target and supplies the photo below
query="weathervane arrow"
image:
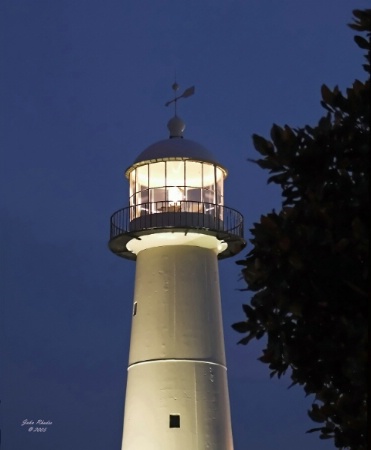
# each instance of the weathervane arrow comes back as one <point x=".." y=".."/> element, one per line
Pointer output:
<point x="187" y="93"/>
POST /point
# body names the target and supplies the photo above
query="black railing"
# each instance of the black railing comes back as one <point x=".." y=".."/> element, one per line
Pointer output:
<point x="182" y="214"/>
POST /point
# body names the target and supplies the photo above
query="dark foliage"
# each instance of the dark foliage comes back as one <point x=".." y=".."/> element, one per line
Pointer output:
<point x="308" y="269"/>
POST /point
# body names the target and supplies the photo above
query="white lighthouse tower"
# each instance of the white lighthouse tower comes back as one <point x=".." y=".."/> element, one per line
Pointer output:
<point x="176" y="227"/>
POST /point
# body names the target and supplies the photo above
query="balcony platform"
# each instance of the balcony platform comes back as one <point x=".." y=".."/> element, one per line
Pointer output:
<point x="226" y="224"/>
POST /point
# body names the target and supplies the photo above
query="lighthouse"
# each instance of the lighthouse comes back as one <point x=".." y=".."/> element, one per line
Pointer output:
<point x="176" y="228"/>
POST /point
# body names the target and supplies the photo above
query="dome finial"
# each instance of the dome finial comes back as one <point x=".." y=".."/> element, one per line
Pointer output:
<point x="176" y="125"/>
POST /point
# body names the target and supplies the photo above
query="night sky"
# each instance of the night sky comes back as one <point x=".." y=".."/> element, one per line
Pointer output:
<point x="82" y="91"/>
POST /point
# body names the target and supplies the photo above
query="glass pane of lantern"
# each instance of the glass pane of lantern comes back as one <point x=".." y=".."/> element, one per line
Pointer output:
<point x="157" y="199"/>
<point x="208" y="183"/>
<point x="132" y="187"/>
<point x="175" y="173"/>
<point x="142" y="202"/>
<point x="209" y="176"/>
<point x="208" y="196"/>
<point x="219" y="186"/>
<point x="141" y="178"/>
<point x="157" y="195"/>
<point x="157" y="175"/>
<point x="194" y="194"/>
<point x="141" y="189"/>
<point x="193" y="174"/>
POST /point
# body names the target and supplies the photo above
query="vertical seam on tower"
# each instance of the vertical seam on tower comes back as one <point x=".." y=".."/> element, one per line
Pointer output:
<point x="174" y="303"/>
<point x="196" y="399"/>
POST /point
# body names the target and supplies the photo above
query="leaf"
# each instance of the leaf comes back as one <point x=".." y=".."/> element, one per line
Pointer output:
<point x="316" y="414"/>
<point x="260" y="334"/>
<point x="276" y="132"/>
<point x="280" y="178"/>
<point x="263" y="146"/>
<point x="268" y="222"/>
<point x="250" y="312"/>
<point x="362" y="42"/>
<point x="240" y="327"/>
<point x="313" y="429"/>
<point x="267" y="357"/>
<point x="327" y="94"/>
<point x="326" y="436"/>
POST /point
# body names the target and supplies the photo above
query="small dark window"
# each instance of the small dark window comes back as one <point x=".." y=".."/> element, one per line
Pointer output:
<point x="174" y="421"/>
<point x="135" y="309"/>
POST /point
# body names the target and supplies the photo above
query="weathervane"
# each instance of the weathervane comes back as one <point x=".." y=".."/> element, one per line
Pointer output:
<point x="187" y="93"/>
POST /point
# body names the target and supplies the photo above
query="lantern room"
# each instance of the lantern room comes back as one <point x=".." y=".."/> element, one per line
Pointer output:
<point x="188" y="181"/>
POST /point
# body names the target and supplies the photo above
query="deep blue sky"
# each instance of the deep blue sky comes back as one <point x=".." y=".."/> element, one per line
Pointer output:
<point x="82" y="90"/>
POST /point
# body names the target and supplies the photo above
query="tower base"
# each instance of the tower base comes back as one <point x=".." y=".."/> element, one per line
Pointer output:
<point x="177" y="405"/>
